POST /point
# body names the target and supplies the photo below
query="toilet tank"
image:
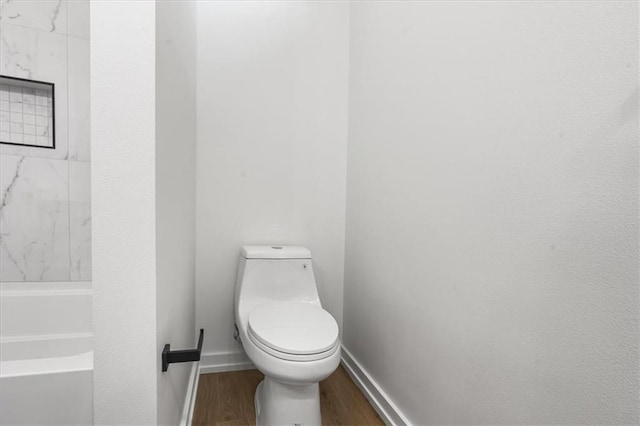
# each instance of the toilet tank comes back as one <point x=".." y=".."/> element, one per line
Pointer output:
<point x="275" y="273"/>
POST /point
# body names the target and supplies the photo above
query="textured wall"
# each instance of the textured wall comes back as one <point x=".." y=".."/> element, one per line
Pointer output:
<point x="124" y="232"/>
<point x="492" y="213"/>
<point x="272" y="127"/>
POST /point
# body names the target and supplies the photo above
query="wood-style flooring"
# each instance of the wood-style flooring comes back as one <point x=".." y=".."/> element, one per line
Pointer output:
<point x="227" y="399"/>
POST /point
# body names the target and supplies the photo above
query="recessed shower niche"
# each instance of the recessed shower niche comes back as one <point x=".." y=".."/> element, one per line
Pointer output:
<point x="27" y="112"/>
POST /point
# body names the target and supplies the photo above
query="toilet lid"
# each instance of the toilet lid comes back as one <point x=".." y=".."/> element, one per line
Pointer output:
<point x="293" y="327"/>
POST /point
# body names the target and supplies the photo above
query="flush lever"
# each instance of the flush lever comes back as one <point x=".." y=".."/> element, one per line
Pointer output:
<point x="236" y="334"/>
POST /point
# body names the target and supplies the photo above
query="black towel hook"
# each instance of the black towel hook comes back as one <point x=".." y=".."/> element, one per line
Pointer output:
<point x="185" y="355"/>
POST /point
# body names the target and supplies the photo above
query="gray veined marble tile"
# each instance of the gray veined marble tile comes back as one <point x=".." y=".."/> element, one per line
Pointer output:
<point x="38" y="55"/>
<point x="34" y="219"/>
<point x="78" y="18"/>
<point x="44" y="15"/>
<point x="80" y="220"/>
<point x="79" y="131"/>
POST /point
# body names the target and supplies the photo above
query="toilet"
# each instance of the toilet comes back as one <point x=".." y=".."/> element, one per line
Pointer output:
<point x="285" y="332"/>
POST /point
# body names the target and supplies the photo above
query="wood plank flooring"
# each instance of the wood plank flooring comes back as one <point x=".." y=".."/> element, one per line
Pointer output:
<point x="226" y="399"/>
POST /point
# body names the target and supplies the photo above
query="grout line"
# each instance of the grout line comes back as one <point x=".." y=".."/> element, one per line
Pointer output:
<point x="60" y="33"/>
<point x="26" y="27"/>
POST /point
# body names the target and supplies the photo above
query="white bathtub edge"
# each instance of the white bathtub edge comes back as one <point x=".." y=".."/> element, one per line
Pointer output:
<point x="30" y="287"/>
<point x="31" y="338"/>
<point x="33" y="367"/>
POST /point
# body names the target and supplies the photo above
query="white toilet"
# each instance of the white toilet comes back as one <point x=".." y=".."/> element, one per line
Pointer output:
<point x="285" y="332"/>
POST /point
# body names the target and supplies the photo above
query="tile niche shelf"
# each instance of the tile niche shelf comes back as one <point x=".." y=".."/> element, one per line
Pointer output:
<point x="27" y="112"/>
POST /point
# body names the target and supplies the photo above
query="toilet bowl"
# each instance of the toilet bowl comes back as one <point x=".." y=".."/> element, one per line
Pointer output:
<point x="285" y="332"/>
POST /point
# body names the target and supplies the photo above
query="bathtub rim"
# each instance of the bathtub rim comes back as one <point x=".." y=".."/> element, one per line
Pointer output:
<point x="39" y="337"/>
<point x="44" y="288"/>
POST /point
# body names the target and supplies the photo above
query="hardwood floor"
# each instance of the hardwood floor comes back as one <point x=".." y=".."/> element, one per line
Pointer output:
<point x="227" y="399"/>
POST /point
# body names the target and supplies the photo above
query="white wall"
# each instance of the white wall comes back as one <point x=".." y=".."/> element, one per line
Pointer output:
<point x="124" y="206"/>
<point x="492" y="225"/>
<point x="175" y="196"/>
<point x="143" y="98"/>
<point x="272" y="127"/>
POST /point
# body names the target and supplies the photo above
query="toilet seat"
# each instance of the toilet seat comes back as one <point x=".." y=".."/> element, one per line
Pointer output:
<point x="294" y="331"/>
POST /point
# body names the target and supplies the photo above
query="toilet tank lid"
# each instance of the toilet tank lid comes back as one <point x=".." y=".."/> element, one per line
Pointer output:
<point x="275" y="252"/>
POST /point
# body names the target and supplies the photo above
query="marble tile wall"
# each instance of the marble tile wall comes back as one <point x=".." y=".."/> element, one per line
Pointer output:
<point x="45" y="206"/>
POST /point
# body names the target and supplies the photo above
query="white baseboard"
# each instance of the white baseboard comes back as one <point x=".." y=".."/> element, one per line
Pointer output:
<point x="190" y="398"/>
<point x="380" y="401"/>
<point x="219" y="362"/>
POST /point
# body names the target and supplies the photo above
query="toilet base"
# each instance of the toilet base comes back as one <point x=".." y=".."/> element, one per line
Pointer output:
<point x="279" y="403"/>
